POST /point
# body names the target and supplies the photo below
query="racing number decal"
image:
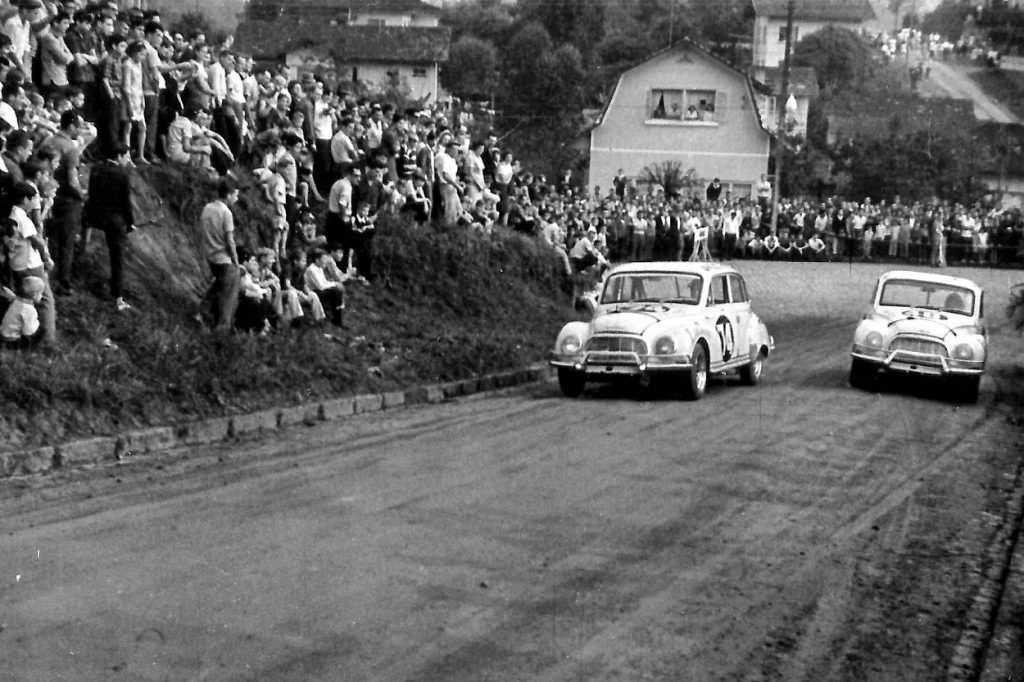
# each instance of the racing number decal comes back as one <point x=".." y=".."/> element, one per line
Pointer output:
<point x="727" y="336"/>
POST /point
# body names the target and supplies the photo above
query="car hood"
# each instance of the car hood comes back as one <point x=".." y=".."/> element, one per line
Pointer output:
<point x="628" y="322"/>
<point x="923" y="322"/>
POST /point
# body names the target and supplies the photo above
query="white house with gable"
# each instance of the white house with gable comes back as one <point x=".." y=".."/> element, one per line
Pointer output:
<point x="683" y="105"/>
<point x="808" y="16"/>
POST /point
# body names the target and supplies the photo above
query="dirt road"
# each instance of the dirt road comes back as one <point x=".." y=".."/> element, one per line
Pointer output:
<point x="800" y="530"/>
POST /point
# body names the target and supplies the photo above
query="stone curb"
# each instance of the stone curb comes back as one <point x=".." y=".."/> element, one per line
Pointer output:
<point x="969" y="654"/>
<point x="203" y="432"/>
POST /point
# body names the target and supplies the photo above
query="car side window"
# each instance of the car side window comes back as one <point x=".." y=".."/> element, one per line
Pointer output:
<point x="718" y="294"/>
<point x="738" y="289"/>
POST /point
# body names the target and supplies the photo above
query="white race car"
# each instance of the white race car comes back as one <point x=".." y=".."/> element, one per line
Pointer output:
<point x="925" y="324"/>
<point x="682" y="320"/>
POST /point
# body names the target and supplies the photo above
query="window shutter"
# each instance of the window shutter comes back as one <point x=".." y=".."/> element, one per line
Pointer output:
<point x="721" y="105"/>
<point x="650" y="105"/>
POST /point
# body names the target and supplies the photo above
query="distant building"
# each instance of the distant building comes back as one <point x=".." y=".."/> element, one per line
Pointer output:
<point x="808" y="16"/>
<point x="682" y="105"/>
<point x="396" y="43"/>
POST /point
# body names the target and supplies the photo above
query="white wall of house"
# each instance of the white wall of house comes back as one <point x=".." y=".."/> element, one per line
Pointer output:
<point x="634" y="133"/>
<point x="420" y="81"/>
<point x="770" y="37"/>
<point x="1011" y="189"/>
<point x="428" y="20"/>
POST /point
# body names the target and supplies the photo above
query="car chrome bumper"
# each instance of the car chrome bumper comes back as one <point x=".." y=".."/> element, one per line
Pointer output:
<point x="613" y="365"/>
<point x="918" y="363"/>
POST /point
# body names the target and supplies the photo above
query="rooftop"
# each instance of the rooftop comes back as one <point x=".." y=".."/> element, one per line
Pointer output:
<point x="388" y="44"/>
<point x="803" y="80"/>
<point x="817" y="10"/>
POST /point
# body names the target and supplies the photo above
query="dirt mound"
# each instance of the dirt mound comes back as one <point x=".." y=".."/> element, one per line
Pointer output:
<point x="450" y="303"/>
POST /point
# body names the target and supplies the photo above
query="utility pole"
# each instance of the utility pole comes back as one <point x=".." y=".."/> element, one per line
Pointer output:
<point x="780" y="107"/>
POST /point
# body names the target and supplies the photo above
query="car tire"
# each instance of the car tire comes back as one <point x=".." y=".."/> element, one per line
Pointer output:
<point x="571" y="382"/>
<point x="751" y="374"/>
<point x="966" y="390"/>
<point x="861" y="373"/>
<point x="695" y="380"/>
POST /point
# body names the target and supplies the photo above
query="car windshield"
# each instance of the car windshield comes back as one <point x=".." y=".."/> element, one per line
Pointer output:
<point x="652" y="287"/>
<point x="907" y="293"/>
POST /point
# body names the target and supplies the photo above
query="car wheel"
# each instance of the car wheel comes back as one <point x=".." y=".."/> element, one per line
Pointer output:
<point x="861" y="373"/>
<point x="695" y="380"/>
<point x="751" y="374"/>
<point x="571" y="382"/>
<point x="966" y="390"/>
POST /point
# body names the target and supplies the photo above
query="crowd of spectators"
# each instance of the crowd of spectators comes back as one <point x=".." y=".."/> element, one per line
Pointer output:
<point x="90" y="90"/>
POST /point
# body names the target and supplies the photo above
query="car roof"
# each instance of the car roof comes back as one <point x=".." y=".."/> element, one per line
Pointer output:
<point x="681" y="267"/>
<point x="931" y="277"/>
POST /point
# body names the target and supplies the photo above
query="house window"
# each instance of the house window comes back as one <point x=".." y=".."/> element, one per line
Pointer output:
<point x="700" y="105"/>
<point x="419" y="72"/>
<point x="375" y="22"/>
<point x="668" y="104"/>
<point x="782" y="34"/>
<point x="683" y="105"/>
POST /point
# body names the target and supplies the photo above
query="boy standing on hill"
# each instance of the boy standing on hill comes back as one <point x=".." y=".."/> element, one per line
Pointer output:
<point x="217" y="229"/>
<point x="109" y="209"/>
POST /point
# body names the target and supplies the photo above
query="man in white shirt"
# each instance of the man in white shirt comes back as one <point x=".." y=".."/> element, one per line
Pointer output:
<point x="18" y="28"/>
<point x="447" y="178"/>
<point x="343" y="150"/>
<point x="28" y="255"/>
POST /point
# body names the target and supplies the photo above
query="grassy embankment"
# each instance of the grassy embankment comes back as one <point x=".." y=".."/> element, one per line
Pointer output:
<point x="450" y="304"/>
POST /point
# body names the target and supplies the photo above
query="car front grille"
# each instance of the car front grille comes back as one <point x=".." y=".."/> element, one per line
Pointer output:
<point x="617" y="344"/>
<point x="909" y="344"/>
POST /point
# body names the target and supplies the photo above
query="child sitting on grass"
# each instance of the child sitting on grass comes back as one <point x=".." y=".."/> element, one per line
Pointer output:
<point x="20" y="326"/>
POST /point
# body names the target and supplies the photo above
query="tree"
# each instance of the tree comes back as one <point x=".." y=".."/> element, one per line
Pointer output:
<point x="472" y="68"/>
<point x="842" y="59"/>
<point x="191" y="23"/>
<point x="947" y="19"/>
<point x="671" y="177"/>
<point x="488" y="20"/>
<point x="577" y="22"/>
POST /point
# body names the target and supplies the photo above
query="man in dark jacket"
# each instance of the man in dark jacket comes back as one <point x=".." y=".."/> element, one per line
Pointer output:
<point x="110" y="209"/>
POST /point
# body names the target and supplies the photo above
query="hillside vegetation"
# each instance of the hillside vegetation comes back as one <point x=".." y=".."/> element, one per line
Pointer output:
<point x="449" y="304"/>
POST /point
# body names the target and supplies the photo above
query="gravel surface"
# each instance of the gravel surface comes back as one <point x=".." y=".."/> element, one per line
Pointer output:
<point x="799" y="530"/>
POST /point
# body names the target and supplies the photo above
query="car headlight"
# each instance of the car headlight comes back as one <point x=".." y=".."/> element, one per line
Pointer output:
<point x="963" y="351"/>
<point x="570" y="344"/>
<point x="873" y="339"/>
<point x="664" y="346"/>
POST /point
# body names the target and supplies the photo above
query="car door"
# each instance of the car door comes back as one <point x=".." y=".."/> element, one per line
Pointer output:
<point x="739" y="306"/>
<point x="723" y="320"/>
